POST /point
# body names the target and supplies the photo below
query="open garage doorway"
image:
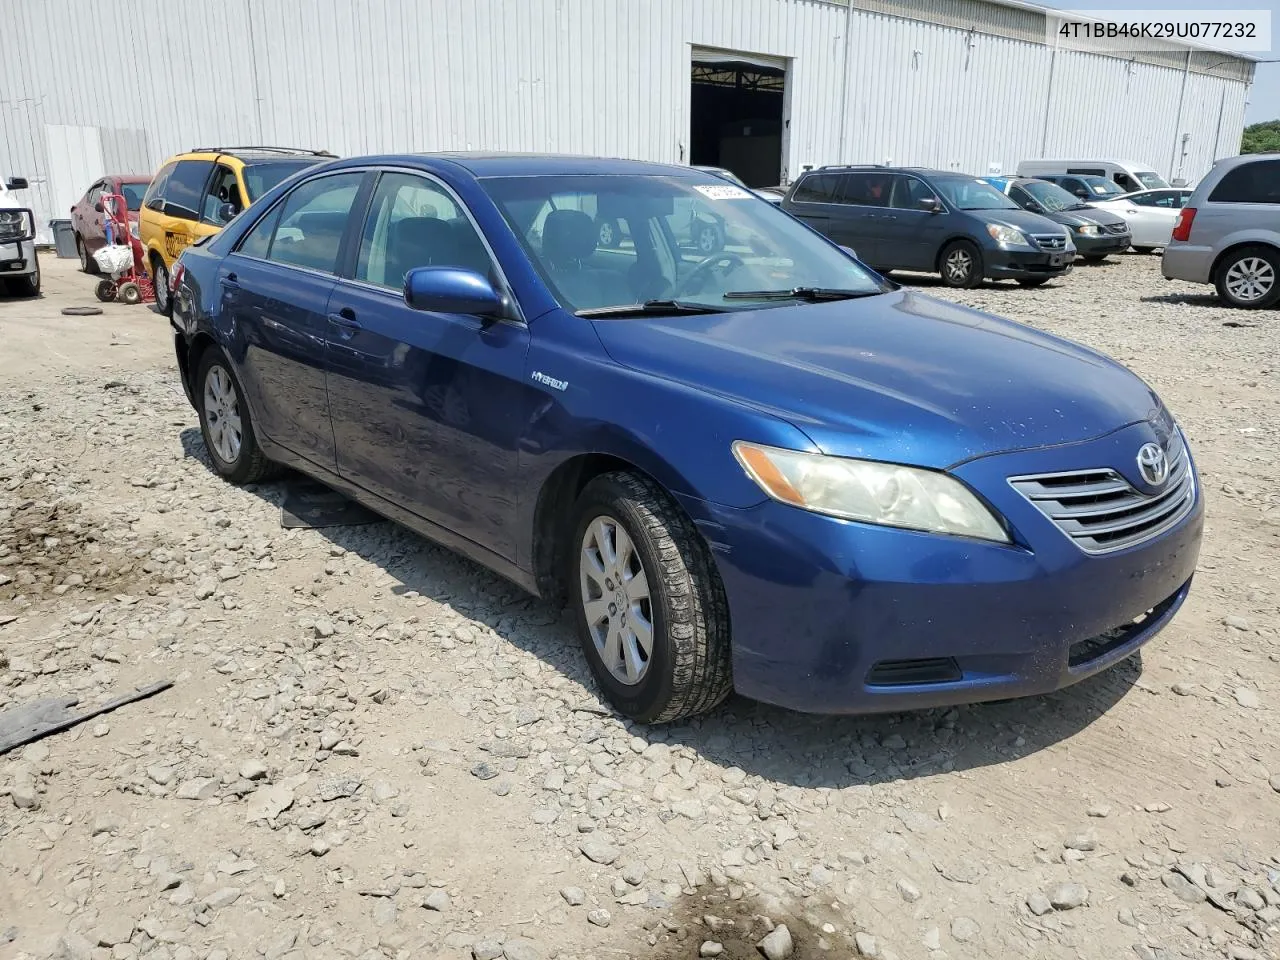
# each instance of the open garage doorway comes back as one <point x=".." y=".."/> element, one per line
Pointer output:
<point x="737" y="113"/>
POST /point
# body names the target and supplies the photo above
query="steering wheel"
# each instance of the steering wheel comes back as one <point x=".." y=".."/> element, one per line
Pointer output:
<point x="704" y="268"/>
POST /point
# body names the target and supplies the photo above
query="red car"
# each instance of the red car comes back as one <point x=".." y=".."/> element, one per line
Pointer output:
<point x="87" y="216"/>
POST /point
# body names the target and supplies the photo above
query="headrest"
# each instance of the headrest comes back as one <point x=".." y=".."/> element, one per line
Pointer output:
<point x="568" y="236"/>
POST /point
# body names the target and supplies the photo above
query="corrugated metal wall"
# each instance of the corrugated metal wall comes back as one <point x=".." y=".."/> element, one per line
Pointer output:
<point x="578" y="76"/>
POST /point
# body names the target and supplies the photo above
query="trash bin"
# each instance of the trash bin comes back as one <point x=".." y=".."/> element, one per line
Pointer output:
<point x="64" y="238"/>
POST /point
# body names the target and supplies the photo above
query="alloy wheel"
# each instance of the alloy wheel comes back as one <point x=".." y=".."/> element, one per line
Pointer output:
<point x="222" y="414"/>
<point x="959" y="264"/>
<point x="1250" y="279"/>
<point x="616" y="600"/>
<point x="161" y="283"/>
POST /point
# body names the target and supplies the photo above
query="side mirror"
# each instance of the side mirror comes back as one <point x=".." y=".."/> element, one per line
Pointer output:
<point x="850" y="251"/>
<point x="930" y="204"/>
<point x="1033" y="207"/>
<point x="228" y="212"/>
<point x="16" y="183"/>
<point x="1082" y="193"/>
<point x="451" y="290"/>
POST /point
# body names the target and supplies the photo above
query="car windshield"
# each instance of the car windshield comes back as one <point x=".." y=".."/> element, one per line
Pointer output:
<point x="730" y="176"/>
<point x="1051" y="196"/>
<point x="1102" y="187"/>
<point x="133" y="193"/>
<point x="261" y="177"/>
<point x="1152" y="181"/>
<point x="604" y="243"/>
<point x="967" y="193"/>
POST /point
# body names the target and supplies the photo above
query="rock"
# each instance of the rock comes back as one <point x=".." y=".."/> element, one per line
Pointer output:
<point x="115" y="928"/>
<point x="908" y="890"/>
<point x="777" y="945"/>
<point x="319" y="847"/>
<point x="1238" y="951"/>
<point x="1039" y="904"/>
<point x="710" y="948"/>
<point x="573" y="896"/>
<point x="633" y="873"/>
<point x="197" y="788"/>
<point x="1250" y="898"/>
<point x="1275" y="783"/>
<point x="521" y="948"/>
<point x="1159" y="806"/>
<point x="337" y="788"/>
<point x="437" y="900"/>
<point x="486" y="950"/>
<point x="268" y="803"/>
<point x="1182" y="888"/>
<point x="866" y="944"/>
<point x="324" y="627"/>
<point x="253" y="770"/>
<point x="964" y="929"/>
<point x="1099" y="811"/>
<point x="161" y="774"/>
<point x="1246" y="697"/>
<point x="23" y="793"/>
<point x="1183" y="689"/>
<point x="599" y="918"/>
<point x="484" y="770"/>
<point x="1084" y="842"/>
<point x="599" y="850"/>
<point x="1068" y="896"/>
<point x="222" y="897"/>
<point x="1236" y="623"/>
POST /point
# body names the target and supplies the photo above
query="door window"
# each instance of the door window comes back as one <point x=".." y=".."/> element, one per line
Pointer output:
<point x="413" y="222"/>
<point x="1256" y="182"/>
<point x="222" y="189"/>
<point x="185" y="188"/>
<point x="257" y="242"/>
<point x="816" y="188"/>
<point x="308" y="230"/>
<point x="866" y="189"/>
<point x="908" y="192"/>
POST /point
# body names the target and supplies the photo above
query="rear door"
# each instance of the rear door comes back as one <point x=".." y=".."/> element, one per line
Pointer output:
<point x="1246" y="196"/>
<point x="89" y="221"/>
<point x="862" y="217"/>
<point x="274" y="291"/>
<point x="179" y="207"/>
<point x="1150" y="218"/>
<point x="815" y="199"/>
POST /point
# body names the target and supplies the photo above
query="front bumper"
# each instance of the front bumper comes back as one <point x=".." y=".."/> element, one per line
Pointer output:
<point x="1102" y="244"/>
<point x="833" y="617"/>
<point x="1002" y="264"/>
<point x="1185" y="261"/>
<point x="17" y="259"/>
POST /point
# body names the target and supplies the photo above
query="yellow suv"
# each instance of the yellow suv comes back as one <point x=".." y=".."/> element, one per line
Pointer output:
<point x="197" y="192"/>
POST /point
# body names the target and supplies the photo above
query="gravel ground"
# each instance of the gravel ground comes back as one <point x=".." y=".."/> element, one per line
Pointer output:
<point x="375" y="749"/>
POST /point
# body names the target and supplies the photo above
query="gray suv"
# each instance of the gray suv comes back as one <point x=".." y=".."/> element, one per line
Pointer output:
<point x="935" y="221"/>
<point x="1228" y="234"/>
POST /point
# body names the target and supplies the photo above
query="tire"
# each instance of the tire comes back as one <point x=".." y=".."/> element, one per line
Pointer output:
<point x="1033" y="282"/>
<point x="87" y="263"/>
<point x="129" y="293"/>
<point x="1249" y="278"/>
<point x="1095" y="258"/>
<point x="219" y="400"/>
<point x="687" y="670"/>
<point x="708" y="238"/>
<point x="960" y="264"/>
<point x="160" y="280"/>
<point x="1143" y="249"/>
<point x="610" y="235"/>
<point x="105" y="291"/>
<point x="27" y="285"/>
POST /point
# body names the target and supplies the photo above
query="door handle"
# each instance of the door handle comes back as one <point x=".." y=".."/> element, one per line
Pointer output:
<point x="346" y="317"/>
<point x="230" y="280"/>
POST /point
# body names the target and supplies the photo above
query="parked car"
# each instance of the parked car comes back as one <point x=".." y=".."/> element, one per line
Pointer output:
<point x="1087" y="188"/>
<point x="1095" y="232"/>
<point x="770" y="471"/>
<point x="1149" y="213"/>
<point x="1127" y="174"/>
<point x="196" y="193"/>
<point x="772" y="194"/>
<point x="19" y="261"/>
<point x="931" y="220"/>
<point x="695" y="222"/>
<point x="1228" y="234"/>
<point x="766" y="193"/>
<point x="87" y="215"/>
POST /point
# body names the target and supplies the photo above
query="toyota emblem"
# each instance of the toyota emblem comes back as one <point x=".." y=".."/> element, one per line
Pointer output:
<point x="1153" y="464"/>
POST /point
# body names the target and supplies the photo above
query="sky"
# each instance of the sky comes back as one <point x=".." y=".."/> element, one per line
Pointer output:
<point x="1264" y="95"/>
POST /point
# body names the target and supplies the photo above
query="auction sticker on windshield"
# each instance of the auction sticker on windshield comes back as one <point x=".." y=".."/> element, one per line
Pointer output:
<point x="718" y="192"/>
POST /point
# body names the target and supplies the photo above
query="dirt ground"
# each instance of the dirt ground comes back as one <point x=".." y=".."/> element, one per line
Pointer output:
<point x="372" y="748"/>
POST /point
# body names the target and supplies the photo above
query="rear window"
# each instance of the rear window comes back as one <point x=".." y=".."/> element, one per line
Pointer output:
<point x="159" y="182"/>
<point x="259" y="178"/>
<point x="1257" y="182"/>
<point x="818" y="188"/>
<point x="133" y="194"/>
<point x="186" y="187"/>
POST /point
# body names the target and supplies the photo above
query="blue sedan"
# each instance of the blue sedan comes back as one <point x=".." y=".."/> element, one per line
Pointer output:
<point x="767" y="469"/>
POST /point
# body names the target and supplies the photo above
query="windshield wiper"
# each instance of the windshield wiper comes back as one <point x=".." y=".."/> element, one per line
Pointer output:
<point x="1079" y="206"/>
<point x="650" y="308"/>
<point x="811" y="294"/>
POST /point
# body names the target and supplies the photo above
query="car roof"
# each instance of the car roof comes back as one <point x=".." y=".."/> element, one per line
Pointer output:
<point x="257" y="153"/>
<point x="481" y="165"/>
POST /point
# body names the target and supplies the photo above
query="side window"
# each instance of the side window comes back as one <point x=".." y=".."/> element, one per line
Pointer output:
<point x="156" y="190"/>
<point x="1087" y="171"/>
<point x="257" y="242"/>
<point x="185" y="188"/>
<point x="222" y="189"/>
<point x="866" y="189"/>
<point x="1146" y="200"/>
<point x="1021" y="197"/>
<point x="312" y="220"/>
<point x="1256" y="182"/>
<point x="908" y="192"/>
<point x="816" y="188"/>
<point x="1072" y="185"/>
<point x="414" y="222"/>
<point x="1127" y="181"/>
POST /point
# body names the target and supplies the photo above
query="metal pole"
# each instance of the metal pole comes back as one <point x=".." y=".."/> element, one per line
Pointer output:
<point x="844" y="87"/>
<point x="1177" y="127"/>
<point x="1048" y="98"/>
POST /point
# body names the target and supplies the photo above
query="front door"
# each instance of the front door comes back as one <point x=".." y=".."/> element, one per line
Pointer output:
<point x="911" y="234"/>
<point x="180" y="211"/>
<point x="428" y="408"/>
<point x="275" y="290"/>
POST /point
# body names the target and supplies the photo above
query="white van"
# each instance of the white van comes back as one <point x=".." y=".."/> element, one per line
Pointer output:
<point x="1128" y="174"/>
<point x="19" y="264"/>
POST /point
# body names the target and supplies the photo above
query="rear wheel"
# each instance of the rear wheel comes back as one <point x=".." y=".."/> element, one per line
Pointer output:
<point x="651" y="612"/>
<point x="1143" y="249"/>
<point x="160" y="280"/>
<point x="961" y="264"/>
<point x="1033" y="281"/>
<point x="1095" y="257"/>
<point x="87" y="263"/>
<point x="129" y="293"/>
<point x="105" y="291"/>
<point x="1249" y="278"/>
<point x="225" y="423"/>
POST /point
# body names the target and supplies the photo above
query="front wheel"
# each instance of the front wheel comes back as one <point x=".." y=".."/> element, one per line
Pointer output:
<point x="105" y="291"/>
<point x="961" y="264"/>
<point x="130" y="293"/>
<point x="1095" y="257"/>
<point x="87" y="263"/>
<point x="1250" y="278"/>
<point x="29" y="285"/>
<point x="708" y="238"/>
<point x="1033" y="281"/>
<point x="225" y="423"/>
<point x="651" y="612"/>
<point x="160" y="280"/>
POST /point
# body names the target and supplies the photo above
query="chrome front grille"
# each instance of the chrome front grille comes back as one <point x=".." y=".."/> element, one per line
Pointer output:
<point x="1115" y="228"/>
<point x="1102" y="512"/>
<point x="1050" y="241"/>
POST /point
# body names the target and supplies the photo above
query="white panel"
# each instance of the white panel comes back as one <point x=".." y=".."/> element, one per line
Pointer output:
<point x="74" y="161"/>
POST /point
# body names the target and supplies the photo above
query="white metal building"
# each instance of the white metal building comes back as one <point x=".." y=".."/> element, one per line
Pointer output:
<point x="765" y="87"/>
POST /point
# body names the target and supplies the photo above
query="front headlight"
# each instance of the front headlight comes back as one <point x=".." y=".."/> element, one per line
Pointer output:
<point x="1087" y="230"/>
<point x="869" y="491"/>
<point x="1007" y="236"/>
<point x="10" y="224"/>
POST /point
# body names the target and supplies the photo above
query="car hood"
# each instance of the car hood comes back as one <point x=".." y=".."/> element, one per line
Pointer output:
<point x="1078" y="218"/>
<point x="1023" y="220"/>
<point x="899" y="377"/>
